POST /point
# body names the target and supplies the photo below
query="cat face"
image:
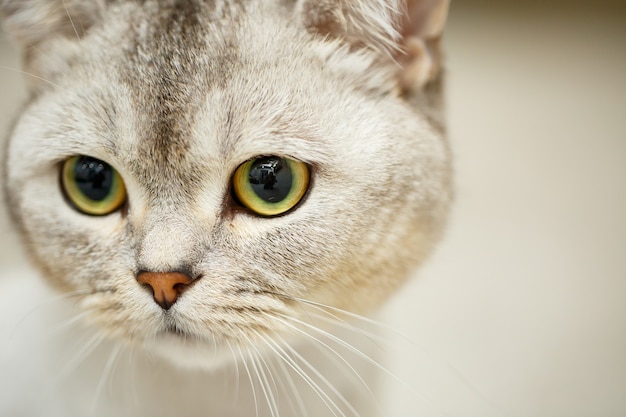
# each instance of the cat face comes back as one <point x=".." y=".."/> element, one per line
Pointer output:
<point x="175" y="108"/>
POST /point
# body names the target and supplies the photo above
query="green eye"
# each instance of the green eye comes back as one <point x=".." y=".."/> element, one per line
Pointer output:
<point x="92" y="186"/>
<point x="271" y="185"/>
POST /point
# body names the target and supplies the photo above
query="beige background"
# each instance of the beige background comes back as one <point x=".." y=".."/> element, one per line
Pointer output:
<point x="522" y="311"/>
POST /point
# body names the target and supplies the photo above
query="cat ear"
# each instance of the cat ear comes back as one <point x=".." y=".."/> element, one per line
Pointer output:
<point x="421" y="29"/>
<point x="408" y="30"/>
<point x="32" y="21"/>
<point x="359" y="22"/>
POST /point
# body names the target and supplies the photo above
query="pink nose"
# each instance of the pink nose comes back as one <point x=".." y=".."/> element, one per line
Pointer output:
<point x="166" y="286"/>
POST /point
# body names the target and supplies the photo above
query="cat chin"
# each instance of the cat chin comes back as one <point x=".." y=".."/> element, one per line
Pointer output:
<point x="187" y="353"/>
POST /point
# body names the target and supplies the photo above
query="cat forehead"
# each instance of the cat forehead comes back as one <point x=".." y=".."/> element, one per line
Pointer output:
<point x="188" y="93"/>
<point x="190" y="85"/>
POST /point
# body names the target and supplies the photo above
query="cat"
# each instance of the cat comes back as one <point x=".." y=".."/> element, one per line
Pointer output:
<point x="218" y="192"/>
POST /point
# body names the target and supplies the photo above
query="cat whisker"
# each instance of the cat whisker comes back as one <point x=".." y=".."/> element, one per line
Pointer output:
<point x="46" y="304"/>
<point x="86" y="349"/>
<point x="287" y="359"/>
<point x="350" y="314"/>
<point x="106" y="374"/>
<point x="329" y="310"/>
<point x="428" y="353"/>
<point x="37" y="77"/>
<point x="245" y="364"/>
<point x="337" y="321"/>
<point x="237" y="371"/>
<point x="53" y="60"/>
<point x="330" y="403"/>
<point x="271" y="383"/>
<point x="70" y="323"/>
<point x="290" y="386"/>
<point x="262" y="377"/>
<point x="334" y="356"/>
<point x="341" y="342"/>
<point x="287" y="384"/>
<point x="133" y="384"/>
<point x="265" y="385"/>
<point x="69" y="16"/>
<point x="333" y="319"/>
<point x="279" y="381"/>
<point x="364" y="356"/>
<point x="354" y="350"/>
<point x="256" y="373"/>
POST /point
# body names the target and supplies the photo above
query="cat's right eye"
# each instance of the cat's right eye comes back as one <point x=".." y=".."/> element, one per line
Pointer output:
<point x="92" y="186"/>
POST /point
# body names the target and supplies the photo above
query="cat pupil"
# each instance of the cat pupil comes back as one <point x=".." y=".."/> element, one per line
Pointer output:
<point x="94" y="178"/>
<point x="271" y="178"/>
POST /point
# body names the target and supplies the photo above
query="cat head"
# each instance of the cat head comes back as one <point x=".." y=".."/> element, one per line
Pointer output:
<point x="196" y="173"/>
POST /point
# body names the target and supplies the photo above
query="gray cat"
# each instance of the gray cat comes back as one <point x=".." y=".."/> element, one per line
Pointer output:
<point x="216" y="187"/>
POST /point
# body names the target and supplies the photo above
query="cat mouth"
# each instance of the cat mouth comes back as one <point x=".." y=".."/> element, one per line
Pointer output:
<point x="172" y="329"/>
<point x="189" y="350"/>
<point x="178" y="335"/>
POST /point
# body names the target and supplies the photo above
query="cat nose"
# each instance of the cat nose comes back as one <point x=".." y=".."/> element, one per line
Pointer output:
<point x="166" y="286"/>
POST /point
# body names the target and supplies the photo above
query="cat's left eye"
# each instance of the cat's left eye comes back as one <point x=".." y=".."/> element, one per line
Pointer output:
<point x="271" y="185"/>
<point x="92" y="186"/>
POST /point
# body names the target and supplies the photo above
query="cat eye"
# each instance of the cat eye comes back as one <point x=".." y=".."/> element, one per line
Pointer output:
<point x="271" y="185"/>
<point x="92" y="186"/>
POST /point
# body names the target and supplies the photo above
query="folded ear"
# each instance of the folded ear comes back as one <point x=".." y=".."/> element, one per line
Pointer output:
<point x="32" y="21"/>
<point x="358" y="22"/>
<point x="421" y="29"/>
<point x="407" y="30"/>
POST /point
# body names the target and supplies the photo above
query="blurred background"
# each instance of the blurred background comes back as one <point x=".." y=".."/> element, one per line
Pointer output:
<point x="522" y="310"/>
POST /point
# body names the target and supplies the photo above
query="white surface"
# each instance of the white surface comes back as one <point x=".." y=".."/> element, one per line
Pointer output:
<point x="522" y="311"/>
